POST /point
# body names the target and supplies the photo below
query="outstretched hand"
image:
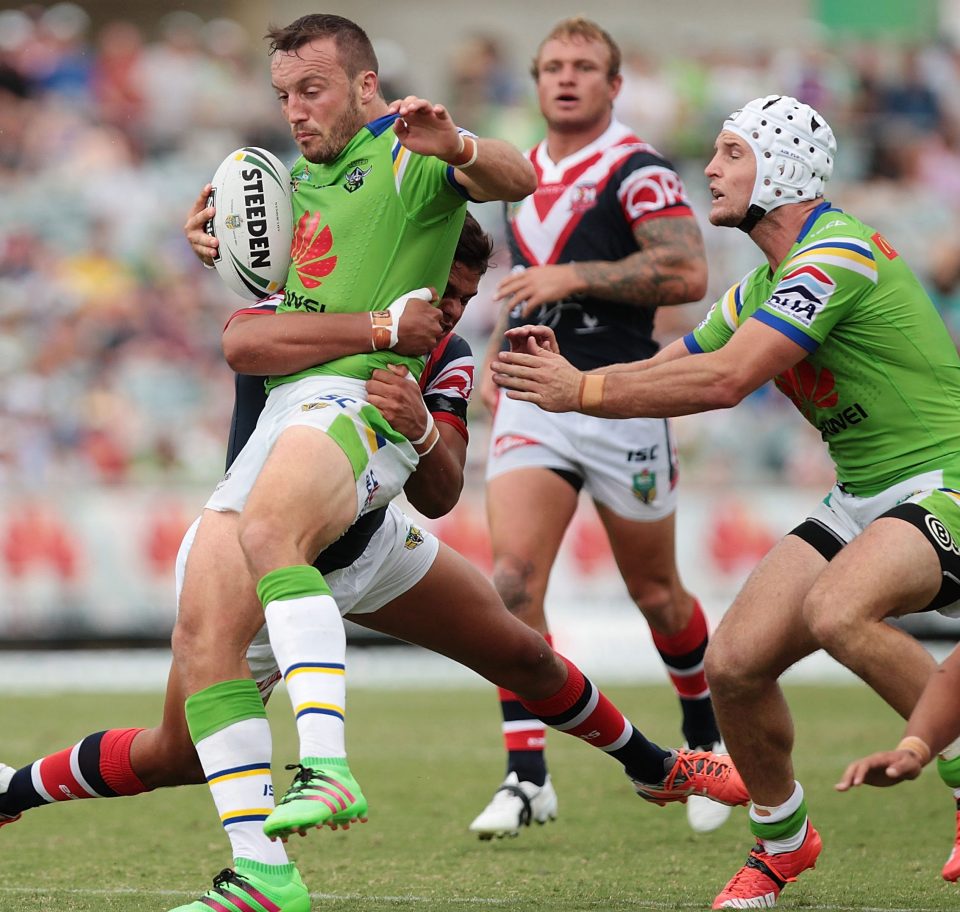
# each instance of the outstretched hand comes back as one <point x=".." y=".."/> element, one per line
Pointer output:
<point x="538" y="375"/>
<point x="425" y="128"/>
<point x="520" y="337"/>
<point x="881" y="769"/>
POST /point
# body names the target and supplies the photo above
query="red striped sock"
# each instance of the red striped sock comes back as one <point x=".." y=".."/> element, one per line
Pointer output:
<point x="522" y="730"/>
<point x="682" y="656"/>
<point x="97" y="767"/>
<point x="581" y="710"/>
<point x="683" y="653"/>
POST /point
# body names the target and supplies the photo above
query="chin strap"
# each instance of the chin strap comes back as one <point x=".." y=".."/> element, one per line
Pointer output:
<point x="754" y="214"/>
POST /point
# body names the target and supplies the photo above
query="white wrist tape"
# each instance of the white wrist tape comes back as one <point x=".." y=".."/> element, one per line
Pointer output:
<point x="388" y="321"/>
<point x="430" y="426"/>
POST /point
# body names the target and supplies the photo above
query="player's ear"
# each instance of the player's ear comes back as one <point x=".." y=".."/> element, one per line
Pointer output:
<point x="369" y="86"/>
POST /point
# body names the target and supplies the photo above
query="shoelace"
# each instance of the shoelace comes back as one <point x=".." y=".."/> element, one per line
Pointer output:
<point x="744" y="882"/>
<point x="302" y="780"/>
<point x="226" y="876"/>
<point x="697" y="764"/>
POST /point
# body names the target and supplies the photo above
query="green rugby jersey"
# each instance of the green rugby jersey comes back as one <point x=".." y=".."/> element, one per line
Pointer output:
<point x="881" y="381"/>
<point x="376" y="223"/>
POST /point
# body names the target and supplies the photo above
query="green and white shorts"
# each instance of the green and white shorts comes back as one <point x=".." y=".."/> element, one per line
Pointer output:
<point x="381" y="458"/>
<point x="923" y="501"/>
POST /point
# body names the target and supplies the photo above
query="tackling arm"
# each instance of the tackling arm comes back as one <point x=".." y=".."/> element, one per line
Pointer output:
<point x="435" y="487"/>
<point x="292" y="341"/>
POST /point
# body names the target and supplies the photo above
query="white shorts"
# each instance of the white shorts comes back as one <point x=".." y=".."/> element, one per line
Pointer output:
<point x="847" y="515"/>
<point x="627" y="464"/>
<point x="397" y="558"/>
<point x="382" y="459"/>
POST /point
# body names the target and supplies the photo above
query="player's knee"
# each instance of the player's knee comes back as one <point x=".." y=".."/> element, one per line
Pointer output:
<point x="514" y="581"/>
<point x="259" y="538"/>
<point x="831" y="624"/>
<point x="661" y="611"/>
<point x="725" y="668"/>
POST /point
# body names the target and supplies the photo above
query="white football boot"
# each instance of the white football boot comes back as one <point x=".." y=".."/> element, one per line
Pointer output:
<point x="6" y="774"/>
<point x="516" y="804"/>
<point x="703" y="814"/>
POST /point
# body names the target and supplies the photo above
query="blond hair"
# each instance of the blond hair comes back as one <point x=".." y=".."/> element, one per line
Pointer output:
<point x="588" y="30"/>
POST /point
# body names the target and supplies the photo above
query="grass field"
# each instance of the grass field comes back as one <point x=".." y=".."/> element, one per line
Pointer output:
<point x="428" y="762"/>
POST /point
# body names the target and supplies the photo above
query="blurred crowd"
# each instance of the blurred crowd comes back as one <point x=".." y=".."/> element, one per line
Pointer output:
<point x="110" y="364"/>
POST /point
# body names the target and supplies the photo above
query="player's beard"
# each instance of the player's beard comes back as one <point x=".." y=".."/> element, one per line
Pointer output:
<point x="730" y="218"/>
<point x="326" y="147"/>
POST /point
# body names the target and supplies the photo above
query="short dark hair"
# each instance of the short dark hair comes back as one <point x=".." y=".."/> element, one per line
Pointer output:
<point x="354" y="48"/>
<point x="475" y="247"/>
<point x="588" y="30"/>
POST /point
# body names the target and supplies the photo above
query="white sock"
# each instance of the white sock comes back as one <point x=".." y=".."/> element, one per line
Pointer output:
<point x="310" y="644"/>
<point x="776" y="815"/>
<point x="236" y="761"/>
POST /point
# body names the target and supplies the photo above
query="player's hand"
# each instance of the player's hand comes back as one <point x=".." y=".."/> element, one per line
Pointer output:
<point x="539" y="376"/>
<point x="420" y="328"/>
<point x="397" y="396"/>
<point x="536" y="285"/>
<point x="543" y="337"/>
<point x="204" y="245"/>
<point x="881" y="769"/>
<point x="425" y="128"/>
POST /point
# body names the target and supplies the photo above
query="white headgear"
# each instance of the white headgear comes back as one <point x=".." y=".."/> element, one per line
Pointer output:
<point x="794" y="147"/>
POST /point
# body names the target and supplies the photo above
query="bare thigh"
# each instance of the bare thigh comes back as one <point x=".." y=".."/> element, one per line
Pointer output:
<point x="304" y="498"/>
<point x="889" y="570"/>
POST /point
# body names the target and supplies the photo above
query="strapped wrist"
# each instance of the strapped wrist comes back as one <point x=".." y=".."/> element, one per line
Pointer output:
<point x="465" y="157"/>
<point x="428" y="439"/>
<point x="916" y="746"/>
<point x="432" y="440"/>
<point x="591" y="392"/>
<point x="383" y="330"/>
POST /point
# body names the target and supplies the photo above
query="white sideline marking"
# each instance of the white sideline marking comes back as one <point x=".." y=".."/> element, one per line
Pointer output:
<point x="449" y="901"/>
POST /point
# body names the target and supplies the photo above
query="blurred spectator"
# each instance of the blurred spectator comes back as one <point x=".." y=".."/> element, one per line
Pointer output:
<point x="110" y="365"/>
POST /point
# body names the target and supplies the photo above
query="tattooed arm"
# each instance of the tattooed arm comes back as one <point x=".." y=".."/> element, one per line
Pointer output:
<point x="669" y="268"/>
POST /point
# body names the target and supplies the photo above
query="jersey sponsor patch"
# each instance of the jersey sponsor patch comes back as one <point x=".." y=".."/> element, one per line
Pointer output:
<point x="649" y="190"/>
<point x="802" y="293"/>
<point x="809" y="388"/>
<point x="884" y="246"/>
<point x="312" y="241"/>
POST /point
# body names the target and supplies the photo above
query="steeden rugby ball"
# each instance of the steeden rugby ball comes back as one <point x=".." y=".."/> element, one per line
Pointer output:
<point x="253" y="221"/>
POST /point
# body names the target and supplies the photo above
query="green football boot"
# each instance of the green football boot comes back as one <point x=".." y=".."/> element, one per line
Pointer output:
<point x="247" y="890"/>
<point x="323" y="793"/>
